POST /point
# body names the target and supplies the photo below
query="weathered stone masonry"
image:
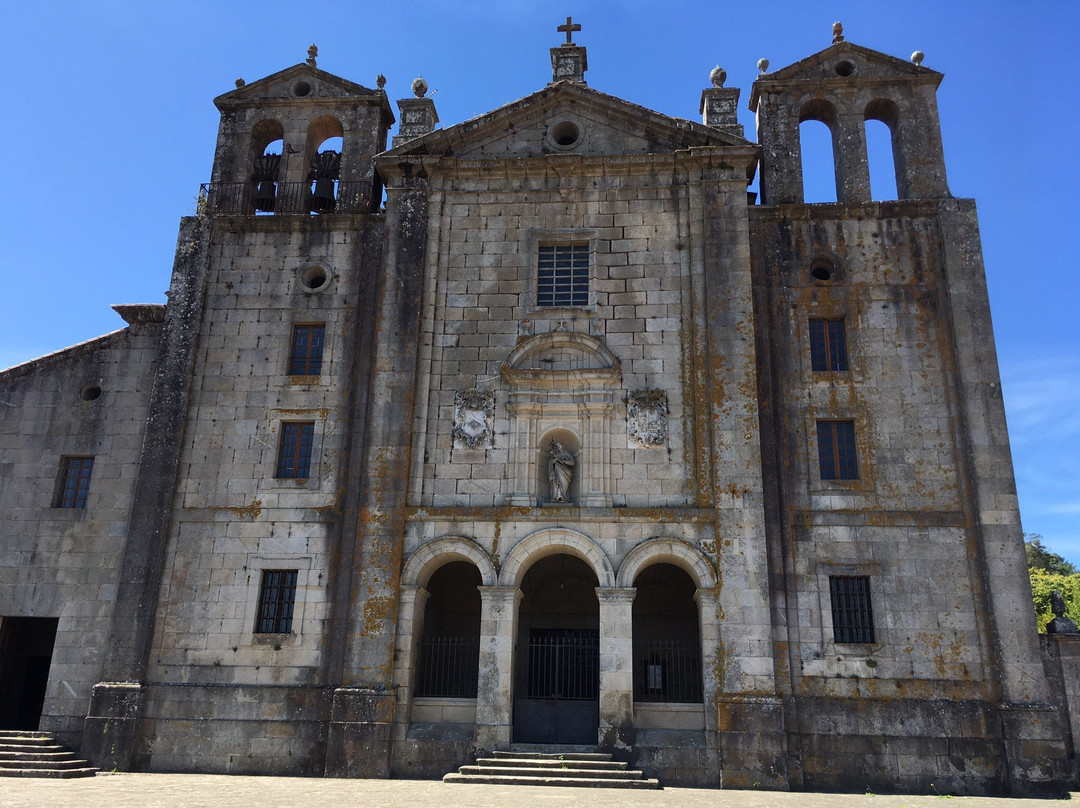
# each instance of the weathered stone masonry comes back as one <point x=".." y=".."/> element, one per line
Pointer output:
<point x="569" y="273"/>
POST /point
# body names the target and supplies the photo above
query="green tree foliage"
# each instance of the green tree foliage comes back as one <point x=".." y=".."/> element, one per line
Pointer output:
<point x="1040" y="557"/>
<point x="1049" y="572"/>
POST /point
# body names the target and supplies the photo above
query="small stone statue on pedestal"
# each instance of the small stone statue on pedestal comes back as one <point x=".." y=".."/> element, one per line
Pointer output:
<point x="1060" y="624"/>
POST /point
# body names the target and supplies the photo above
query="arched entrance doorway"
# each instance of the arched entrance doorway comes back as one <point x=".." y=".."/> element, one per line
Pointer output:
<point x="557" y="682"/>
<point x="450" y="645"/>
<point x="667" y="638"/>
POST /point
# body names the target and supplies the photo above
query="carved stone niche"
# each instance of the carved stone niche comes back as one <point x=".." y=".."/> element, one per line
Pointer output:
<point x="646" y="418"/>
<point x="474" y="419"/>
<point x="564" y="382"/>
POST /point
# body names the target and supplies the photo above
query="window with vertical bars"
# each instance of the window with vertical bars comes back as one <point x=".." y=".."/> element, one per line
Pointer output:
<point x="836" y="450"/>
<point x="828" y="345"/>
<point x="277" y="599"/>
<point x="294" y="454"/>
<point x="852" y="617"/>
<point x="307" y="350"/>
<point x="74" y="482"/>
<point x="563" y="275"/>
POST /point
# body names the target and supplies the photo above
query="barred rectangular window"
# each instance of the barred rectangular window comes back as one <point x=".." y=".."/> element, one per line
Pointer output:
<point x="828" y="345"/>
<point x="836" y="450"/>
<point x="852" y="617"/>
<point x="563" y="275"/>
<point x="74" y="482"/>
<point x="294" y="454"/>
<point x="277" y="599"/>
<point x="307" y="350"/>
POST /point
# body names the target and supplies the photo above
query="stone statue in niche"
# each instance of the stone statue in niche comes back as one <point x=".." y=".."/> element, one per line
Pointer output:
<point x="647" y="417"/>
<point x="560" y="471"/>
<point x="474" y="416"/>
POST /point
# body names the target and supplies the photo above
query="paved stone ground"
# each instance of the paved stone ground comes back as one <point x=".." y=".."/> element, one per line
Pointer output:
<point x="222" y="791"/>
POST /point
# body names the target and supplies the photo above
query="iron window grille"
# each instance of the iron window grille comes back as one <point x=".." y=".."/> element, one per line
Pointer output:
<point x="828" y="345"/>
<point x="74" y="482"/>
<point x="449" y="667"/>
<point x="852" y="616"/>
<point x="307" y="350"/>
<point x="837" y="458"/>
<point x="294" y="454"/>
<point x="667" y="671"/>
<point x="277" y="600"/>
<point x="562" y="275"/>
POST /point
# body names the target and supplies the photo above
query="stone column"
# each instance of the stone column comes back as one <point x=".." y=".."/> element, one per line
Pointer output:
<point x="406" y="650"/>
<point x="495" y="684"/>
<point x="616" y="668"/>
<point x="849" y="154"/>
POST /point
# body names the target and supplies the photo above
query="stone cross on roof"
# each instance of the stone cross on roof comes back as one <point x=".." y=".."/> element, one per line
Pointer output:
<point x="569" y="29"/>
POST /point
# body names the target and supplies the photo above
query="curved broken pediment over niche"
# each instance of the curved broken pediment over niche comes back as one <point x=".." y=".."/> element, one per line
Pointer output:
<point x="562" y="359"/>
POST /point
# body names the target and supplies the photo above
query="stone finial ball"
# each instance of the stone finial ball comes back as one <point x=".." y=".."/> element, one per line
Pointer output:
<point x="239" y="83"/>
<point x="419" y="87"/>
<point x="917" y="57"/>
<point x="762" y="65"/>
<point x="718" y="76"/>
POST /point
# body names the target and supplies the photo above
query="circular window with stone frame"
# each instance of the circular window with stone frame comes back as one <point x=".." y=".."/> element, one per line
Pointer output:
<point x="314" y="278"/>
<point x="565" y="134"/>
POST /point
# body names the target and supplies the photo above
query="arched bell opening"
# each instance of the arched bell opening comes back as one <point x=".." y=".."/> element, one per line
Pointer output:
<point x="817" y="145"/>
<point x="667" y="637"/>
<point x="449" y="649"/>
<point x="884" y="155"/>
<point x="557" y="681"/>
<point x="324" y="147"/>
<point x="558" y="468"/>
<point x="267" y="146"/>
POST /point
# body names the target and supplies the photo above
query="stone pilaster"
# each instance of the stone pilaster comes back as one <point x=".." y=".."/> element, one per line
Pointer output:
<point x="616" y="668"/>
<point x="495" y="686"/>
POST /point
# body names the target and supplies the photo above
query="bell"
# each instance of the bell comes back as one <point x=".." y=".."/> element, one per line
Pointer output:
<point x="322" y="199"/>
<point x="264" y="196"/>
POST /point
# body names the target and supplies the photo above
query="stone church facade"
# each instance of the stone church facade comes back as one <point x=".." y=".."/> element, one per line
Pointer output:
<point x="538" y="430"/>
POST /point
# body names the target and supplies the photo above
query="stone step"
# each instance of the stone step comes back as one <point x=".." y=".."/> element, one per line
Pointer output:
<point x="71" y="762"/>
<point x="36" y="754"/>
<point x="554" y="763"/>
<point x="9" y="737"/>
<point x="55" y="773"/>
<point x="534" y="771"/>
<point x="42" y="751"/>
<point x="546" y="779"/>
<point x="527" y="755"/>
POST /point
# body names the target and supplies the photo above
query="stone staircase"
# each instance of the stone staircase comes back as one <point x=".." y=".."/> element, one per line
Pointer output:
<point x="583" y="769"/>
<point x="36" y="754"/>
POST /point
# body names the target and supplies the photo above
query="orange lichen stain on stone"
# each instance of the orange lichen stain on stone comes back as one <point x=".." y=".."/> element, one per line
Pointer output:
<point x="250" y="512"/>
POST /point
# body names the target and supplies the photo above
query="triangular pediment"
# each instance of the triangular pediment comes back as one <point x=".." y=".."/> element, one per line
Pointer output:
<point x="603" y="125"/>
<point x="846" y="61"/>
<point x="300" y="83"/>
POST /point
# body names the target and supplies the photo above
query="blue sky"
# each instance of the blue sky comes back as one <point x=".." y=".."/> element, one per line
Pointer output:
<point x="111" y="128"/>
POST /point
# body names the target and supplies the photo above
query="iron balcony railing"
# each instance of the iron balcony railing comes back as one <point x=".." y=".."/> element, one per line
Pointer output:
<point x="285" y="198"/>
<point x="667" y="670"/>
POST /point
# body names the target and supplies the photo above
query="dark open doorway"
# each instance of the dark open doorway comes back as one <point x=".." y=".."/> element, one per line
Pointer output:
<point x="557" y="687"/>
<point x="26" y="647"/>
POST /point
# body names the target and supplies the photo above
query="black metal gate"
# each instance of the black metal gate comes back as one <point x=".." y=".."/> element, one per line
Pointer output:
<point x="563" y="698"/>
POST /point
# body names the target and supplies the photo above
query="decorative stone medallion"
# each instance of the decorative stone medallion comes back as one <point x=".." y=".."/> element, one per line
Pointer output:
<point x="646" y="417"/>
<point x="474" y="419"/>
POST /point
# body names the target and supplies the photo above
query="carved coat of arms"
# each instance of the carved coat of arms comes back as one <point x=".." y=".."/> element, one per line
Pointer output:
<point x="474" y="419"/>
<point x="646" y="418"/>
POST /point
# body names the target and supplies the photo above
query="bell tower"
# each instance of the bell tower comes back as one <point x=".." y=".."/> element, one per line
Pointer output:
<point x="299" y="141"/>
<point x="844" y="86"/>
